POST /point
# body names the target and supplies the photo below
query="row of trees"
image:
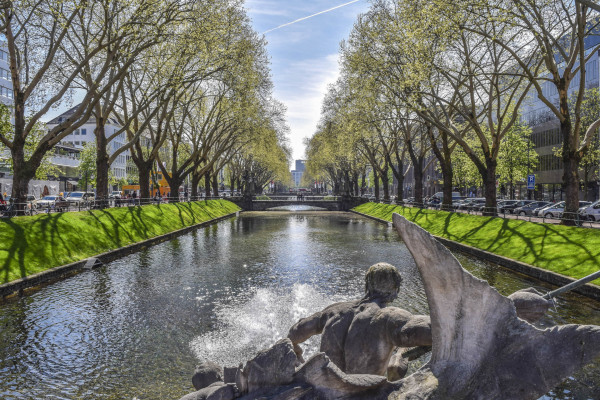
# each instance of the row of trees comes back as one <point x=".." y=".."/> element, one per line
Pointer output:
<point x="448" y="79"/>
<point x="187" y="81"/>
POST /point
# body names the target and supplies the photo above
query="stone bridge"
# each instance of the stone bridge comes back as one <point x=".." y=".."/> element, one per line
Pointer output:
<point x="328" y="203"/>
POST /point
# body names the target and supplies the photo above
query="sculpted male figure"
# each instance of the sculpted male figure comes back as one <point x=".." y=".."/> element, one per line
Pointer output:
<point x="360" y="336"/>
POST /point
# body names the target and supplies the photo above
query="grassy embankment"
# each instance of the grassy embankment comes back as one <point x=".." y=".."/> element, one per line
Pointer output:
<point x="32" y="244"/>
<point x="570" y="251"/>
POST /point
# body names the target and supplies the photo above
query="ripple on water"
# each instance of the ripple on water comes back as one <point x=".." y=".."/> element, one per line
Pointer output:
<point x="245" y="327"/>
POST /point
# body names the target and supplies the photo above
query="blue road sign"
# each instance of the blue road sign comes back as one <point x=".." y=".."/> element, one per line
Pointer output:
<point x="530" y="182"/>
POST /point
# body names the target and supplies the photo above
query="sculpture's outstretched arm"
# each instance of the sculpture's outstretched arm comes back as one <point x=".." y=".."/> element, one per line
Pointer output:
<point x="304" y="329"/>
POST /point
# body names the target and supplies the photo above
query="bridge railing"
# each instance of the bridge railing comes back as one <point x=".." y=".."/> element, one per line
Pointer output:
<point x="292" y="199"/>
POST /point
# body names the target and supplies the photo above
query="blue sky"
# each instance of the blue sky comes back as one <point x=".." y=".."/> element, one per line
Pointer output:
<point x="304" y="55"/>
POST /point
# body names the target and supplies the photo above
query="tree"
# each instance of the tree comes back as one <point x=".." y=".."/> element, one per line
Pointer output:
<point x="46" y="167"/>
<point x="87" y="165"/>
<point x="516" y="158"/>
<point x="590" y="109"/>
<point x="558" y="36"/>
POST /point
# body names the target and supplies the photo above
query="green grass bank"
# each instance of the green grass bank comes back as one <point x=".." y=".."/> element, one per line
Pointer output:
<point x="29" y="245"/>
<point x="570" y="251"/>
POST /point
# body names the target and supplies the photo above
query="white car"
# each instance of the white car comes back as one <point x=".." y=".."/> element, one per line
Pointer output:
<point x="80" y="198"/>
<point x="553" y="210"/>
<point x="591" y="212"/>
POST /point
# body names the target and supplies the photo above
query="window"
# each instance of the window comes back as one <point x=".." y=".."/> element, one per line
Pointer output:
<point x="84" y="132"/>
<point x="76" y="131"/>
<point x="6" y="92"/>
<point x="591" y="71"/>
<point x="76" y="143"/>
<point x="5" y="74"/>
<point x="3" y="55"/>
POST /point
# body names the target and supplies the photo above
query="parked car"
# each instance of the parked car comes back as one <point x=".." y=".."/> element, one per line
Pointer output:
<point x="503" y="204"/>
<point x="553" y="210"/>
<point x="475" y="204"/>
<point x="509" y="208"/>
<point x="464" y="204"/>
<point x="590" y="212"/>
<point x="57" y="203"/>
<point x="529" y="208"/>
<point x="116" y="194"/>
<point x="80" y="198"/>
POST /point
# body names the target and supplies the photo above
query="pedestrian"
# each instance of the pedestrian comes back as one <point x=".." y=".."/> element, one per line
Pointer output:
<point x="134" y="195"/>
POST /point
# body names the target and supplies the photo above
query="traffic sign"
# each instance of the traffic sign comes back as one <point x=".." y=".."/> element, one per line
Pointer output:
<point x="530" y="182"/>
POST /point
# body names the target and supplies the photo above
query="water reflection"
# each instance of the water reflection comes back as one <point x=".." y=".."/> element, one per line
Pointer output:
<point x="136" y="327"/>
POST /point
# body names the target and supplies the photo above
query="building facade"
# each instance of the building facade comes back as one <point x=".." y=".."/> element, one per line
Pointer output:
<point x="84" y="135"/>
<point x="298" y="172"/>
<point x="6" y="86"/>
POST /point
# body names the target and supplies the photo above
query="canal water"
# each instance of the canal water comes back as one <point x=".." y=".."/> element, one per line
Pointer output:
<point x="135" y="328"/>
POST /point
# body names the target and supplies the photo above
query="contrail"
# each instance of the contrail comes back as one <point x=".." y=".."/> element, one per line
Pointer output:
<point x="310" y="16"/>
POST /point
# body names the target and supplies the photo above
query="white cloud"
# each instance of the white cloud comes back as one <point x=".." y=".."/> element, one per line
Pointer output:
<point x="301" y="87"/>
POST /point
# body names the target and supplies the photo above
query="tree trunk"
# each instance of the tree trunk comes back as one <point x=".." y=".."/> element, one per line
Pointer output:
<point x="397" y="172"/>
<point x="489" y="186"/>
<point x="215" y="185"/>
<point x="144" y="177"/>
<point x="23" y="171"/>
<point x="22" y="174"/>
<point x="207" y="183"/>
<point x="196" y="177"/>
<point x="376" y="183"/>
<point x="570" y="163"/>
<point x="363" y="183"/>
<point x="417" y="161"/>
<point x="448" y="177"/>
<point x="385" y="182"/>
<point x="418" y="174"/>
<point x="232" y="184"/>
<point x="174" y="185"/>
<point x="102" y="166"/>
<point x="21" y="177"/>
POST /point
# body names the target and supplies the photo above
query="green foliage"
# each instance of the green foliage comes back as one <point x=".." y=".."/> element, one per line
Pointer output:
<point x="567" y="250"/>
<point x="87" y="165"/>
<point x="516" y="157"/>
<point x="46" y="168"/>
<point x="465" y="173"/>
<point x="33" y="244"/>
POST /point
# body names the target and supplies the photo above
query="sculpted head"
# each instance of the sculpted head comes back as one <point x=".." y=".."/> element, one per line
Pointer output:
<point x="382" y="282"/>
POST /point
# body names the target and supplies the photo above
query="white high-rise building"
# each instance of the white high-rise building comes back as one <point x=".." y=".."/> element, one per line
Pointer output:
<point x="6" y="86"/>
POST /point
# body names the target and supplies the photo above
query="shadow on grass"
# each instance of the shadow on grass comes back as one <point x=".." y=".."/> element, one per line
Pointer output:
<point x="545" y="246"/>
<point x="16" y="251"/>
<point x="33" y="244"/>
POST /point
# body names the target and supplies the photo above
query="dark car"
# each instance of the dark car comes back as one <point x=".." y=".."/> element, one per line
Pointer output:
<point x="509" y="208"/>
<point x="476" y="204"/>
<point x="528" y="209"/>
<point x="505" y="203"/>
<point x="466" y="203"/>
